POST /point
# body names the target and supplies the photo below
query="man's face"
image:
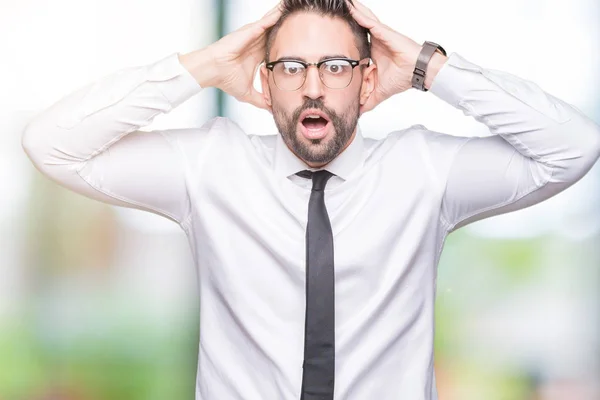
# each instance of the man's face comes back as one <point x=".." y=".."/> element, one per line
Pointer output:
<point x="311" y="38"/>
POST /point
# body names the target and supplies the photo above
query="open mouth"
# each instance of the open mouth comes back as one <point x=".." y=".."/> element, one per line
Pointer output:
<point x="314" y="124"/>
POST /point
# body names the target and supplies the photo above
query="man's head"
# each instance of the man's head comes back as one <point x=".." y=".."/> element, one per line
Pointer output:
<point x="311" y="31"/>
<point x="329" y="8"/>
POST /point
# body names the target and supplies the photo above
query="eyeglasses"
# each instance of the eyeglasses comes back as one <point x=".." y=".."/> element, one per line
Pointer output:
<point x="335" y="73"/>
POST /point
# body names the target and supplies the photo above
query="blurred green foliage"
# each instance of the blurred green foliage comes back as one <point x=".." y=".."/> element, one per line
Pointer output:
<point x="127" y="363"/>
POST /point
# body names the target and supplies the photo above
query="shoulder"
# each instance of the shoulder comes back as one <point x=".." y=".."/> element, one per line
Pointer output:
<point x="218" y="126"/>
<point x="421" y="135"/>
<point x="214" y="136"/>
<point x="420" y="148"/>
<point x="229" y="133"/>
<point x="223" y="138"/>
<point x="421" y="142"/>
<point x="223" y="126"/>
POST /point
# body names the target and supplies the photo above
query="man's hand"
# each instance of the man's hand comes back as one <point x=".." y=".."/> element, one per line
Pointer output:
<point x="230" y="64"/>
<point x="395" y="56"/>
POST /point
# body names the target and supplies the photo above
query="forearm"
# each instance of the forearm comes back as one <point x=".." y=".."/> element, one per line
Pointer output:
<point x="88" y="121"/>
<point x="435" y="64"/>
<point x="538" y="125"/>
<point x="541" y="145"/>
<point x="201" y="65"/>
<point x="89" y="141"/>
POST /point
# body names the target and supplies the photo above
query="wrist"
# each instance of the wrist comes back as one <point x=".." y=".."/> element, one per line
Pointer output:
<point x="200" y="64"/>
<point x="435" y="64"/>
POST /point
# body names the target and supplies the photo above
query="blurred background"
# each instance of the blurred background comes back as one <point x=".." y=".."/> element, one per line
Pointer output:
<point x="99" y="303"/>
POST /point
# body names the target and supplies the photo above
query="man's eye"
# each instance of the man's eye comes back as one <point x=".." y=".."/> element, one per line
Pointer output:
<point x="292" y="68"/>
<point x="336" y="67"/>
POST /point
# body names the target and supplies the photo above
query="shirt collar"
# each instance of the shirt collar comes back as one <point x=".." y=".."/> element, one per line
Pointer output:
<point x="287" y="163"/>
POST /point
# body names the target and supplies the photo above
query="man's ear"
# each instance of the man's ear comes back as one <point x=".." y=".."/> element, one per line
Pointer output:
<point x="264" y="82"/>
<point x="369" y="81"/>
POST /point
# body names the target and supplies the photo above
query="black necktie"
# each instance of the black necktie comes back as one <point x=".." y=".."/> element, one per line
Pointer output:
<point x="319" y="338"/>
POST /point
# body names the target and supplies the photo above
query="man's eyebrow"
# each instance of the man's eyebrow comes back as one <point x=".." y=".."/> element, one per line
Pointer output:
<point x="327" y="57"/>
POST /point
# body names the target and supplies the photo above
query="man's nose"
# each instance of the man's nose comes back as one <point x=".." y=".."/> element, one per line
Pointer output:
<point x="313" y="86"/>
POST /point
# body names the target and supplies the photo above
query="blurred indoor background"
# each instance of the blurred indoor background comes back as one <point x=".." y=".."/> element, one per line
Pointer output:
<point x="99" y="303"/>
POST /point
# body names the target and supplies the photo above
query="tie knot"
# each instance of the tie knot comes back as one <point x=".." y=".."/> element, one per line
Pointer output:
<point x="319" y="178"/>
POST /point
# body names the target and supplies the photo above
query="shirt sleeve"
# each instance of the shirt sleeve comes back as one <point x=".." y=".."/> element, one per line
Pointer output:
<point x="90" y="141"/>
<point x="540" y="145"/>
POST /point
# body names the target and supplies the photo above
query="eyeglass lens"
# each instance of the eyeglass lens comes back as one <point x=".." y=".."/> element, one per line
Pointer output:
<point x="335" y="74"/>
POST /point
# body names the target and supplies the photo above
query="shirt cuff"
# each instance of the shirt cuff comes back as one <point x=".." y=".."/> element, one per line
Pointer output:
<point x="451" y="83"/>
<point x="460" y="81"/>
<point x="172" y="79"/>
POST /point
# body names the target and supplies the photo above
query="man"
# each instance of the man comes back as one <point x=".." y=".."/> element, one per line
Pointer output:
<point x="316" y="248"/>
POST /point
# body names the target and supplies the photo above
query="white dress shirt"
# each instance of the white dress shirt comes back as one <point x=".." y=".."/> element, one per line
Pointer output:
<point x="392" y="204"/>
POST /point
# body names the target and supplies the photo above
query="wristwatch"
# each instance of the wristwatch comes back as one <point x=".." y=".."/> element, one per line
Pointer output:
<point x="418" y="79"/>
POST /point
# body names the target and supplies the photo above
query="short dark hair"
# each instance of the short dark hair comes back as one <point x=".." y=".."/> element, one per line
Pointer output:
<point x="330" y="8"/>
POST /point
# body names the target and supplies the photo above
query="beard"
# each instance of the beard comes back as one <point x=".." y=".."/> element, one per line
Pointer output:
<point x="324" y="150"/>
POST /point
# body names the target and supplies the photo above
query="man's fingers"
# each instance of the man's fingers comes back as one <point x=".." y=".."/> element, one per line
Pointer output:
<point x="275" y="9"/>
<point x="375" y="27"/>
<point x="365" y="10"/>
<point x="379" y="31"/>
<point x="270" y="18"/>
<point x="362" y="19"/>
<point x="256" y="30"/>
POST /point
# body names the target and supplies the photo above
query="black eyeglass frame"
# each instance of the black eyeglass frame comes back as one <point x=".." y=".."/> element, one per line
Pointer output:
<point x="353" y="64"/>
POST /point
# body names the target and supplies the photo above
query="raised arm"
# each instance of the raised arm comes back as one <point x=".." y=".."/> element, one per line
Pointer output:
<point x="90" y="141"/>
<point x="541" y="144"/>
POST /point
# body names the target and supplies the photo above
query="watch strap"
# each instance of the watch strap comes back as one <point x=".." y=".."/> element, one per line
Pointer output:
<point x="418" y="79"/>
